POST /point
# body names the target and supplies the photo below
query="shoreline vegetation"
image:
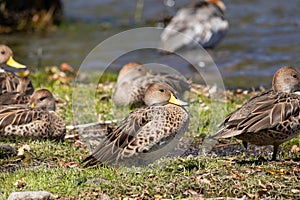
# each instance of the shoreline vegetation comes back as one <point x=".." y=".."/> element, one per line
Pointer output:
<point x="227" y="171"/>
<point x="29" y="15"/>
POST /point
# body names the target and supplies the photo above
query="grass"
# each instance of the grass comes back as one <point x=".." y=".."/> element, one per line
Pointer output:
<point x="176" y="178"/>
<point x="55" y="166"/>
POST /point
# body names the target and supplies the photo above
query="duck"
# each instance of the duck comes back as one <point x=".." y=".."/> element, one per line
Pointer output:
<point x="145" y="133"/>
<point x="35" y="120"/>
<point x="134" y="78"/>
<point x="123" y="94"/>
<point x="203" y="23"/>
<point x="9" y="81"/>
<point x="19" y="96"/>
<point x="269" y="118"/>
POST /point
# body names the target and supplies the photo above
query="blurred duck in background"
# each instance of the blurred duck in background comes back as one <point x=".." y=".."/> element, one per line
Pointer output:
<point x="201" y="23"/>
<point x="134" y="78"/>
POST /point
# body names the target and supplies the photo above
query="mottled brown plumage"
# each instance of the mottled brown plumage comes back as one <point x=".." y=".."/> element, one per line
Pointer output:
<point x="146" y="130"/>
<point x="134" y="78"/>
<point x="19" y="96"/>
<point x="37" y="120"/>
<point x="9" y="81"/>
<point x="270" y="118"/>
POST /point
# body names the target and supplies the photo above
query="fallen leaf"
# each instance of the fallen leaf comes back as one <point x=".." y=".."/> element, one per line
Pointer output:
<point x="157" y="196"/>
<point x="66" y="67"/>
<point x="295" y="149"/>
<point x="20" y="183"/>
<point x="236" y="175"/>
<point x="73" y="136"/>
<point x="145" y="191"/>
<point x="67" y="164"/>
<point x="259" y="193"/>
<point x="203" y="180"/>
<point x="135" y="195"/>
<point x="180" y="166"/>
<point x="261" y="185"/>
<point x="195" y="194"/>
<point x="251" y="196"/>
<point x="79" y="143"/>
<point x="269" y="187"/>
<point x="190" y="191"/>
<point x="151" y="175"/>
<point x="295" y="191"/>
<point x="22" y="149"/>
<point x="281" y="171"/>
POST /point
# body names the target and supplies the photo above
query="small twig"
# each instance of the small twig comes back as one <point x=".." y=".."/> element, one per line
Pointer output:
<point x="79" y="126"/>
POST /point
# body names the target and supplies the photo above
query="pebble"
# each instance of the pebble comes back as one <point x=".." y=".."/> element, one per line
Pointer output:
<point x="31" y="195"/>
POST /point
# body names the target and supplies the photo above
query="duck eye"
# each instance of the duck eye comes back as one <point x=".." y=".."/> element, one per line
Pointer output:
<point x="161" y="90"/>
<point x="42" y="98"/>
<point x="294" y="76"/>
<point x="2" y="52"/>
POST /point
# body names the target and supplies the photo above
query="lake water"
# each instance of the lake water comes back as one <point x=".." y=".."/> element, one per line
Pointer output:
<point x="263" y="36"/>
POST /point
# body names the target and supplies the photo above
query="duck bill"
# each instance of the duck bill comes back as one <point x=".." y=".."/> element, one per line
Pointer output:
<point x="12" y="63"/>
<point x="175" y="101"/>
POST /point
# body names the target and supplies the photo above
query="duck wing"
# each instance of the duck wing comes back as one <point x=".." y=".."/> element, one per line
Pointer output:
<point x="267" y="111"/>
<point x="138" y="133"/>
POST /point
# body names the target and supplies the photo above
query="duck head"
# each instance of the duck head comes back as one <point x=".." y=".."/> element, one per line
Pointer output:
<point x="6" y="59"/>
<point x="42" y="99"/>
<point x="161" y="94"/>
<point x="219" y="3"/>
<point x="132" y="70"/>
<point x="286" y="79"/>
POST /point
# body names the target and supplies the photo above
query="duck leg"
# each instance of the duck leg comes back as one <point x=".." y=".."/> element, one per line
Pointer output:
<point x="245" y="144"/>
<point x="275" y="150"/>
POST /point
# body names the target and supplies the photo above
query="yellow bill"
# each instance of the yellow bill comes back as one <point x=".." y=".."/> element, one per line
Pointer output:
<point x="32" y="105"/>
<point x="148" y="74"/>
<point x="12" y="63"/>
<point x="177" y="101"/>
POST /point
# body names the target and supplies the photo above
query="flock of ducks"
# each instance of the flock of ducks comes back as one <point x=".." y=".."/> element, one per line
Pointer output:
<point x="25" y="113"/>
<point x="269" y="118"/>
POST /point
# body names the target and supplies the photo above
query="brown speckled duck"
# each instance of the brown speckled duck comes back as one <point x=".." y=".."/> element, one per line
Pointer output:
<point x="133" y="80"/>
<point x="202" y="22"/>
<point x="145" y="130"/>
<point x="19" y="96"/>
<point x="269" y="118"/>
<point x="9" y="81"/>
<point x="36" y="120"/>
